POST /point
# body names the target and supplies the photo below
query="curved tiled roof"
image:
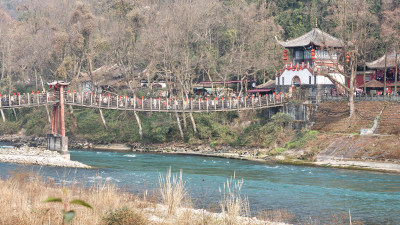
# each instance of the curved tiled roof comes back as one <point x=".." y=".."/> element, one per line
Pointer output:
<point x="316" y="37"/>
<point x="380" y="63"/>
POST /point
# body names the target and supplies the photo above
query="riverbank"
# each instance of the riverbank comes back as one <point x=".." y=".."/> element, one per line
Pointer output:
<point x="37" y="156"/>
<point x="349" y="151"/>
<point x="23" y="194"/>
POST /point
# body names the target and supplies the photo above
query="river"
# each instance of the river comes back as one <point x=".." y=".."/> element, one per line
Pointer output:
<point x="307" y="192"/>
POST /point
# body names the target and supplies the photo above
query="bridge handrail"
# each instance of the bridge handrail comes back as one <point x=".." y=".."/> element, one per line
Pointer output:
<point x="89" y="99"/>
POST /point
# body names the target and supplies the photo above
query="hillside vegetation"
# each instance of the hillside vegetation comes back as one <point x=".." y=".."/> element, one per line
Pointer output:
<point x="176" y="40"/>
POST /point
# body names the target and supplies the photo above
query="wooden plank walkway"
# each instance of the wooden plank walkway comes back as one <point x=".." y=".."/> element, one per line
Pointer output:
<point x="134" y="103"/>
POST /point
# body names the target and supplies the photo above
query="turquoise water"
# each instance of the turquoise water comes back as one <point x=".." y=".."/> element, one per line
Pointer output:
<point x="319" y="193"/>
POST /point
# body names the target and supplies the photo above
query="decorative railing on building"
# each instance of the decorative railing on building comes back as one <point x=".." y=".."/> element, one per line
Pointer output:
<point x="390" y="98"/>
<point x="108" y="101"/>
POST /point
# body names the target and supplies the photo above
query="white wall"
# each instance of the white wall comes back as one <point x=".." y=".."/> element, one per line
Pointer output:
<point x="289" y="74"/>
<point x="304" y="76"/>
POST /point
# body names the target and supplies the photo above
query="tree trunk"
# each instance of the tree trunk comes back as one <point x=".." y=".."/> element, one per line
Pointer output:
<point x="15" y="114"/>
<point x="102" y="119"/>
<point x="139" y="124"/>
<point x="384" y="76"/>
<point x="351" y="104"/>
<point x="184" y="120"/>
<point x="351" y="93"/>
<point x="365" y="87"/>
<point x="178" y="121"/>
<point x="36" y="79"/>
<point x="2" y="115"/>
<point x="47" y="108"/>
<point x="193" y="123"/>
<point x="73" y="118"/>
<point x="395" y="77"/>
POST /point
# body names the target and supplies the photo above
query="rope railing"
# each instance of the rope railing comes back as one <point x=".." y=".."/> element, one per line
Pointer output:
<point x="108" y="101"/>
<point x="18" y="100"/>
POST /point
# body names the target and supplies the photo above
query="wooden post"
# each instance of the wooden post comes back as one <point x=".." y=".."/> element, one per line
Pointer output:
<point x="191" y="104"/>
<point x="230" y="102"/>
<point x="259" y="100"/>
<point x="252" y="101"/>
<point x="151" y="104"/>
<point x="142" y="102"/>
<point x="82" y="98"/>
<point x="73" y="97"/>
<point x="37" y="98"/>
<point x="200" y="104"/>
<point x="159" y="104"/>
<point x="215" y="104"/>
<point x="108" y="101"/>
<point x="245" y="101"/>
<point x="126" y="102"/>
<point x="222" y="100"/>
<point x="99" y="100"/>
<point x="29" y="99"/>
<point x="167" y="104"/>
<point x="117" y="101"/>
<point x="47" y="97"/>
<point x="207" y="104"/>
<point x="0" y="100"/>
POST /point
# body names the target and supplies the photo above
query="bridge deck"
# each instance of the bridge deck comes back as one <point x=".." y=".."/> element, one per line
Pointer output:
<point x="142" y="104"/>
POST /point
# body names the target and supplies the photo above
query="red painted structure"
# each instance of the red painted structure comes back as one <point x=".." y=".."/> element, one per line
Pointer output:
<point x="58" y="122"/>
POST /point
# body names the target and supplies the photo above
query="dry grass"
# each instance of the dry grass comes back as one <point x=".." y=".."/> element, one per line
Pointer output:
<point x="21" y="198"/>
<point x="172" y="190"/>
<point x="23" y="194"/>
<point x="233" y="204"/>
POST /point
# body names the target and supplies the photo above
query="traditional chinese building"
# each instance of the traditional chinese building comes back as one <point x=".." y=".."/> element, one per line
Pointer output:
<point x="378" y="67"/>
<point x="313" y="56"/>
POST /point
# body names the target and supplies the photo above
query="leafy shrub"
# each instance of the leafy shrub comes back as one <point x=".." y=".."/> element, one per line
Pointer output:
<point x="123" y="216"/>
<point x="301" y="139"/>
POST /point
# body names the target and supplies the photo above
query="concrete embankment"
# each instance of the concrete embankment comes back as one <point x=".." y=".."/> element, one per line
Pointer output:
<point x="37" y="156"/>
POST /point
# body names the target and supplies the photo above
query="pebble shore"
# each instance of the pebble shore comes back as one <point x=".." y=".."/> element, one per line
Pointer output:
<point x="37" y="156"/>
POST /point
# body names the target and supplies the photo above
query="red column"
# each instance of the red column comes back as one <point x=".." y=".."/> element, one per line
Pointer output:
<point x="56" y="120"/>
<point x="61" y="109"/>
<point x="53" y="121"/>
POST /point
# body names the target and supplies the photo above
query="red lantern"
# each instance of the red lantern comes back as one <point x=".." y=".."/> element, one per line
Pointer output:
<point x="49" y="86"/>
<point x="285" y="54"/>
<point x="313" y="54"/>
<point x="347" y="57"/>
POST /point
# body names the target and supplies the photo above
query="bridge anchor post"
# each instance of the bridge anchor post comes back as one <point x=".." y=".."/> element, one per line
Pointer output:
<point x="57" y="141"/>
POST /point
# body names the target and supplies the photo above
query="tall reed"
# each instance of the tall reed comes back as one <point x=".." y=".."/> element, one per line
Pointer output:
<point x="172" y="190"/>
<point x="233" y="204"/>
